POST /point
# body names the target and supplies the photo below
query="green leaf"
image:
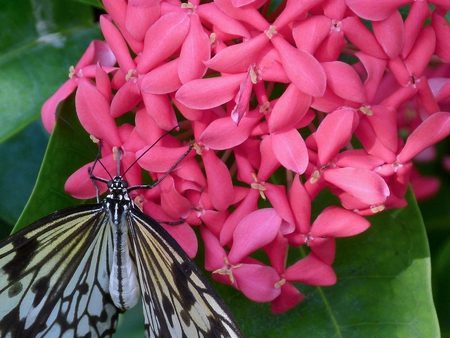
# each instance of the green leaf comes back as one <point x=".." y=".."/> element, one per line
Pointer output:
<point x="69" y="149"/>
<point x="40" y="41"/>
<point x="21" y="159"/>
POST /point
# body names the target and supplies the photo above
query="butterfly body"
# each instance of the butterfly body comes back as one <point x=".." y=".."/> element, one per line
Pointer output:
<point x="71" y="273"/>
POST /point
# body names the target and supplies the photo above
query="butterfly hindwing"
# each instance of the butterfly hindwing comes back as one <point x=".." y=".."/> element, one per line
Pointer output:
<point x="54" y="277"/>
<point x="178" y="301"/>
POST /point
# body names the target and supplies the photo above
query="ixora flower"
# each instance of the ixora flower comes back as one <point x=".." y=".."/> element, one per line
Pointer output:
<point x="275" y="117"/>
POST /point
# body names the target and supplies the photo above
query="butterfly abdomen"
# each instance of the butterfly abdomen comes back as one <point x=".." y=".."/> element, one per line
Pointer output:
<point x="123" y="282"/>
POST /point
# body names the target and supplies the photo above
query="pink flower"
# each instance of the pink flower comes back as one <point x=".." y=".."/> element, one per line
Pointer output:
<point x="275" y="116"/>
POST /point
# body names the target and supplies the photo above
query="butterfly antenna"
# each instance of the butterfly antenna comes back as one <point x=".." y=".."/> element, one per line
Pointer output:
<point x="172" y="168"/>
<point x="148" y="149"/>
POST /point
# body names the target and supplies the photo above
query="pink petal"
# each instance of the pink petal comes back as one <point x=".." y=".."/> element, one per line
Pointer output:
<point x="161" y="110"/>
<point x="362" y="37"/>
<point x="375" y="10"/>
<point x="220" y="186"/>
<point x="338" y="222"/>
<point x="237" y="58"/>
<point x="126" y="99"/>
<point x="257" y="282"/>
<point x="288" y="299"/>
<point x="162" y="39"/>
<point x="324" y="249"/>
<point x="290" y="108"/>
<point x="160" y="159"/>
<point x="300" y="205"/>
<point x="375" y="69"/>
<point x="212" y="14"/>
<point x="390" y="34"/>
<point x="364" y="185"/>
<point x="80" y="185"/>
<point x="49" y="107"/>
<point x="93" y="112"/>
<point x="140" y="18"/>
<point x="432" y="130"/>
<point x="420" y="55"/>
<point x="294" y="10"/>
<point x="117" y="9"/>
<point x="163" y="79"/>
<point x="248" y="14"/>
<point x="269" y="162"/>
<point x="247" y="206"/>
<point x="335" y="132"/>
<point x="196" y="49"/>
<point x="358" y="158"/>
<point x="301" y="68"/>
<point x="214" y="252"/>
<point x="311" y="270"/>
<point x="442" y="29"/>
<point x="223" y="133"/>
<point x="344" y="81"/>
<point x="118" y="45"/>
<point x="253" y="232"/>
<point x="172" y="202"/>
<point x="309" y="33"/>
<point x="418" y="13"/>
<point x="290" y="149"/>
<point x="209" y="93"/>
<point x="276" y="194"/>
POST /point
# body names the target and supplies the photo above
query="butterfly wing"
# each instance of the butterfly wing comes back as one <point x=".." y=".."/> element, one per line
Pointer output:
<point x="54" y="277"/>
<point x="177" y="299"/>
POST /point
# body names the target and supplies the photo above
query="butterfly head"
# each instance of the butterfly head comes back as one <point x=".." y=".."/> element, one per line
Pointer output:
<point x="118" y="189"/>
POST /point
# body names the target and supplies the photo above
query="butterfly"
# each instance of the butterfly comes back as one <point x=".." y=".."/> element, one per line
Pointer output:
<point x="73" y="272"/>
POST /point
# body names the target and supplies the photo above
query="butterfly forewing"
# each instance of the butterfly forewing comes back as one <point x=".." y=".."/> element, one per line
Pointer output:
<point x="54" y="277"/>
<point x="178" y="301"/>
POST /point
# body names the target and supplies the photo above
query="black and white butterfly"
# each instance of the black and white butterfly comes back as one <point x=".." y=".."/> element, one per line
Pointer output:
<point x="71" y="273"/>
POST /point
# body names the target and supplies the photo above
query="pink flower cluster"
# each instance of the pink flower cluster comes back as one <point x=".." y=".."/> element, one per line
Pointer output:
<point x="276" y="117"/>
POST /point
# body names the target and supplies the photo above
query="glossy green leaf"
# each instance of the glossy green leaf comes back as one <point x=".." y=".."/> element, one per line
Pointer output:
<point x="40" y="41"/>
<point x="69" y="149"/>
